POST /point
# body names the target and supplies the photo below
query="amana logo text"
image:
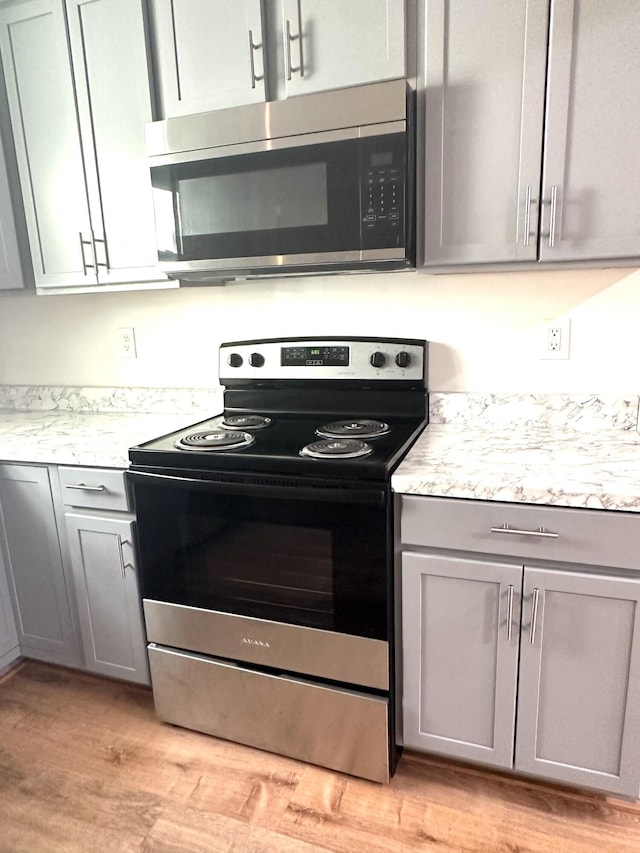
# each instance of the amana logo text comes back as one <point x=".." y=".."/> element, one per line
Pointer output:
<point x="251" y="642"/>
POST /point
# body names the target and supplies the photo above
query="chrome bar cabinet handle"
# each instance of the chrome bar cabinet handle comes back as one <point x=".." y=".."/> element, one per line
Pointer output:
<point x="534" y="617"/>
<point x="83" y="243"/>
<point x="541" y="532"/>
<point x="527" y="216"/>
<point x="102" y="240"/>
<point x="288" y="38"/>
<point x="123" y="571"/>
<point x="552" y="216"/>
<point x="84" y="488"/>
<point x="509" y="612"/>
<point x="255" y="78"/>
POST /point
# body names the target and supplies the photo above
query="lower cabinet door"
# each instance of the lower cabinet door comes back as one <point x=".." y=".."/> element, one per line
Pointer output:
<point x="106" y="585"/>
<point x="35" y="571"/>
<point x="9" y="650"/>
<point x="579" y="691"/>
<point x="460" y="637"/>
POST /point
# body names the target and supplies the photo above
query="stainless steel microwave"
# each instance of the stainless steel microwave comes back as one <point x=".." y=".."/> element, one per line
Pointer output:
<point x="318" y="183"/>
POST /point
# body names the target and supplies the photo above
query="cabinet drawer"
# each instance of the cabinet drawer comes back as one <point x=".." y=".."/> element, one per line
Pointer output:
<point x="590" y="537"/>
<point x="95" y="488"/>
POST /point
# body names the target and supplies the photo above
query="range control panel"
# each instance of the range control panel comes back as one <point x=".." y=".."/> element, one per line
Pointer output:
<point x="306" y="358"/>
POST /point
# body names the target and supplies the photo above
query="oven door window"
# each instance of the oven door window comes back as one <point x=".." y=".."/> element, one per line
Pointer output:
<point x="314" y="563"/>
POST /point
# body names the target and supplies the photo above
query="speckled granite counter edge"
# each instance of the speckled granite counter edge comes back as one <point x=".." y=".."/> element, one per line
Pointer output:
<point x="543" y="411"/>
<point x="69" y="398"/>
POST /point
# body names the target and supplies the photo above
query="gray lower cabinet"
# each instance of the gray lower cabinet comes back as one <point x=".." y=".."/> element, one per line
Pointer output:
<point x="211" y="54"/>
<point x="79" y="93"/>
<point x="460" y="658"/>
<point x="524" y="667"/>
<point x="530" y="115"/>
<point x="99" y="528"/>
<point x="106" y="587"/>
<point x="37" y="583"/>
<point x="9" y="650"/>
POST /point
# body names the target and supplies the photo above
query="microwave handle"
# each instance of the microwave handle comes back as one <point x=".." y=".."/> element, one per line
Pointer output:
<point x="373" y="496"/>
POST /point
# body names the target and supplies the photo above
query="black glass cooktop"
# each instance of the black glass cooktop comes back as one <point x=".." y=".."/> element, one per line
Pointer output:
<point x="276" y="449"/>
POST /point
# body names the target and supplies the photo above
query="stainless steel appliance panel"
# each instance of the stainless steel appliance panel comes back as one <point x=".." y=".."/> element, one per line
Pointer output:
<point x="314" y="652"/>
<point x="376" y="103"/>
<point x="339" y="729"/>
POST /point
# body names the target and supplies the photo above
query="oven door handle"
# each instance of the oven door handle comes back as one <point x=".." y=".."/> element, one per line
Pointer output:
<point x="373" y="496"/>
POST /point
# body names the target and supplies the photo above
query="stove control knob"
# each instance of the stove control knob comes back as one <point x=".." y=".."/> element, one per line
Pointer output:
<point x="256" y="359"/>
<point x="378" y="359"/>
<point x="235" y="360"/>
<point x="403" y="359"/>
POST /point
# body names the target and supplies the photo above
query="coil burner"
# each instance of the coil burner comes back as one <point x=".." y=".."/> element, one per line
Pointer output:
<point x="333" y="448"/>
<point x="360" y="427"/>
<point x="245" y="422"/>
<point x="215" y="439"/>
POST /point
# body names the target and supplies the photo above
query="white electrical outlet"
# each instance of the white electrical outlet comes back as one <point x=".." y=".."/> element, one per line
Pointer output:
<point x="126" y="341"/>
<point x="555" y="338"/>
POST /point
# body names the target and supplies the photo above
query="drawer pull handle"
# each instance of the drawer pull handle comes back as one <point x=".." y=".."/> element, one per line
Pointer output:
<point x="534" y="617"/>
<point x="83" y="487"/>
<point x="509" y="611"/>
<point x="546" y="534"/>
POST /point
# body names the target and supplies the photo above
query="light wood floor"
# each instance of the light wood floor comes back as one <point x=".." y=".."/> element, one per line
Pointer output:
<point x="85" y="766"/>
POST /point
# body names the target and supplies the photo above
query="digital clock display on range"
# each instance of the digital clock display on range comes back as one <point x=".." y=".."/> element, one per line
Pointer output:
<point x="314" y="356"/>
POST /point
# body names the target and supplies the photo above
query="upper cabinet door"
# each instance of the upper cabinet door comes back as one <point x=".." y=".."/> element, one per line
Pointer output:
<point x="209" y="54"/>
<point x="39" y="83"/>
<point x="579" y="688"/>
<point x="114" y="102"/>
<point x="591" y="186"/>
<point x="329" y="44"/>
<point x="10" y="268"/>
<point x="484" y="79"/>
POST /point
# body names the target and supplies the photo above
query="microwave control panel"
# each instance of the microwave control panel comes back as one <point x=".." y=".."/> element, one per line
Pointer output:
<point x="382" y="192"/>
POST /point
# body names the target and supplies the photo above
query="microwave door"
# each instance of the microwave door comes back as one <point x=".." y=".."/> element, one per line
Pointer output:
<point x="279" y="209"/>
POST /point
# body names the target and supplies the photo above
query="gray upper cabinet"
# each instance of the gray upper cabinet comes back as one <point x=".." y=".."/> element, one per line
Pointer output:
<point x="465" y="623"/>
<point x="79" y="95"/>
<point x="591" y="177"/>
<point x="329" y="44"/>
<point x="482" y="123"/>
<point x="33" y="559"/>
<point x="511" y="87"/>
<point x="212" y="54"/>
<point x="10" y="267"/>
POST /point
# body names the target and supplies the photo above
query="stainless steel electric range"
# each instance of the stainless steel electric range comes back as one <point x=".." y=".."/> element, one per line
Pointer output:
<point x="265" y="540"/>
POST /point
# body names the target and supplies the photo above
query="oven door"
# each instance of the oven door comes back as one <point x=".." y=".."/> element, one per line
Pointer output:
<point x="268" y="559"/>
<point x="292" y="203"/>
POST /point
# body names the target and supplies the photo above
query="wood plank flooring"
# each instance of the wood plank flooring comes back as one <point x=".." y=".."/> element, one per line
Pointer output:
<point x="85" y="766"/>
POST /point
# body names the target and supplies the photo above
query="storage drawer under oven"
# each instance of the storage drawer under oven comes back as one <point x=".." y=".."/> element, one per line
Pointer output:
<point x="340" y="729"/>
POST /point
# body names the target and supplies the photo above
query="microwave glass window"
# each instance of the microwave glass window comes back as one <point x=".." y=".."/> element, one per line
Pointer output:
<point x="261" y="200"/>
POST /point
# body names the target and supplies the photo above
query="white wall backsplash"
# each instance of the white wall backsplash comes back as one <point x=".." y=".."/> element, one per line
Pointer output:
<point x="484" y="329"/>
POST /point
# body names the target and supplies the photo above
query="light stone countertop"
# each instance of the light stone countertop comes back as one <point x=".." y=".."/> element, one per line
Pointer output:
<point x="577" y="452"/>
<point x="93" y="426"/>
